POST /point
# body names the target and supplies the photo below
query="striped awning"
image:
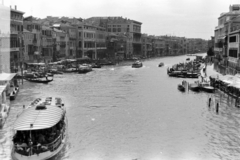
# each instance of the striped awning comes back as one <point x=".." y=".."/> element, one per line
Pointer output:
<point x="32" y="119"/>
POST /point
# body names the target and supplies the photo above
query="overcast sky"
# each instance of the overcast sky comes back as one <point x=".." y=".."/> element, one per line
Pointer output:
<point x="187" y="18"/>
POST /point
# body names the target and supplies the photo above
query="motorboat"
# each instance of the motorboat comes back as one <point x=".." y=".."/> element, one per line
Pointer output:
<point x="84" y="68"/>
<point x="40" y="130"/>
<point x="137" y="64"/>
<point x="70" y="70"/>
<point x="194" y="87"/>
<point x="4" y="105"/>
<point x="188" y="59"/>
<point x="181" y="87"/>
<point x="205" y="86"/>
<point x="161" y="64"/>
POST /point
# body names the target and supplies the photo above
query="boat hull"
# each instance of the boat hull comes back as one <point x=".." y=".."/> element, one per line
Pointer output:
<point x="208" y="89"/>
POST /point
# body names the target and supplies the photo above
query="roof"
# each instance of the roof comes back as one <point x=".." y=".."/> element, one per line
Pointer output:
<point x="2" y="88"/>
<point x="6" y="76"/>
<point x="32" y="119"/>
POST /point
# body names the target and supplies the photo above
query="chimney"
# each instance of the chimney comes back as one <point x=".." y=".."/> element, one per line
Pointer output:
<point x="15" y="7"/>
<point x="10" y="7"/>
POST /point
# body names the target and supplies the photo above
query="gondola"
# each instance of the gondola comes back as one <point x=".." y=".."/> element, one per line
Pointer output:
<point x="38" y="80"/>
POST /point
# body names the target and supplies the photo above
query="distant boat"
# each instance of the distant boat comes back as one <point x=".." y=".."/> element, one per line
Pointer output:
<point x="161" y="64"/>
<point x="84" y="68"/>
<point x="137" y="64"/>
<point x="4" y="106"/>
<point x="204" y="86"/>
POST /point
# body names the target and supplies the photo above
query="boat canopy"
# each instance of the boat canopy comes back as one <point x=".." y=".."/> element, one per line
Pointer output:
<point x="38" y="117"/>
<point x="6" y="76"/>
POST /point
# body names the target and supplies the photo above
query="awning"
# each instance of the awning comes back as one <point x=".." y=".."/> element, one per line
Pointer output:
<point x="32" y="119"/>
<point x="6" y="76"/>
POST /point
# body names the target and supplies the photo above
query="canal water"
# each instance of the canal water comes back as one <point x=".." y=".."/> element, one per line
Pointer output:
<point x="123" y="113"/>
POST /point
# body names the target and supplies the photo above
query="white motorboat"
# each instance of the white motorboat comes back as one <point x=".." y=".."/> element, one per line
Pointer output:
<point x="40" y="130"/>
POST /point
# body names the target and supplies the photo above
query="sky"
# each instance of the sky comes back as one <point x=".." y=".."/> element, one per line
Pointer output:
<point x="184" y="18"/>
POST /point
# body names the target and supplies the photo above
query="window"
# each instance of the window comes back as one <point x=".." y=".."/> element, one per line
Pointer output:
<point x="114" y="29"/>
<point x="119" y="29"/>
<point x="233" y="39"/>
<point x="233" y="53"/>
<point x="109" y="29"/>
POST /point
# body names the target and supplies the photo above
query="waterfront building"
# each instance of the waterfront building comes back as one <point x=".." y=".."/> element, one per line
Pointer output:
<point x="16" y="39"/>
<point x="226" y="40"/>
<point x="72" y="32"/>
<point x="47" y="45"/>
<point x="91" y="41"/>
<point x="158" y="46"/>
<point x="118" y="25"/>
<point x="28" y="46"/>
<point x="34" y="52"/>
<point x="147" y="48"/>
<point x="4" y="39"/>
<point x="61" y="40"/>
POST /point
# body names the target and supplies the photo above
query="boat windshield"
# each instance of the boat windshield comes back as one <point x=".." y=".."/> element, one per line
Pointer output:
<point x="32" y="142"/>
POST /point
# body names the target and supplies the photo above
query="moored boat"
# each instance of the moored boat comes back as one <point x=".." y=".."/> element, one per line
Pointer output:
<point x="137" y="64"/>
<point x="96" y="65"/>
<point x="194" y="87"/>
<point x="84" y="68"/>
<point x="181" y="87"/>
<point x="206" y="87"/>
<point x="40" y="130"/>
<point x="14" y="93"/>
<point x="4" y="105"/>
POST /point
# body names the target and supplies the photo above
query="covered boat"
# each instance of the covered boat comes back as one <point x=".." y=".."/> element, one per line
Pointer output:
<point x="137" y="64"/>
<point x="4" y="105"/>
<point x="40" y="130"/>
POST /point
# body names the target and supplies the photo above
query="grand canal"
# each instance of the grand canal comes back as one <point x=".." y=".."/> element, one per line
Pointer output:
<point x="122" y="113"/>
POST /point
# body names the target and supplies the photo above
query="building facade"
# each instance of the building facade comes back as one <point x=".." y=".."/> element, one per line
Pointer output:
<point x="16" y="39"/>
